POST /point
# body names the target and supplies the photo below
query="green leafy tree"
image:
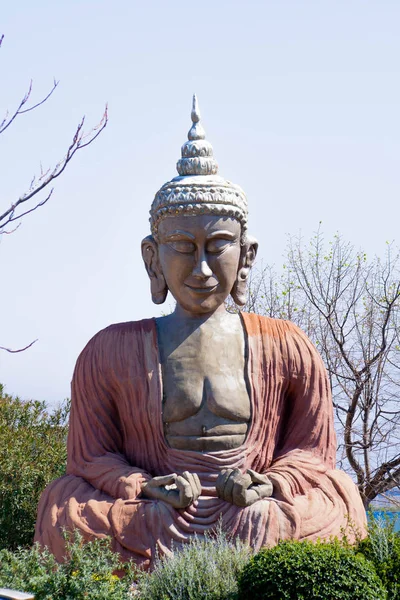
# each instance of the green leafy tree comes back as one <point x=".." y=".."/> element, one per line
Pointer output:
<point x="32" y="453"/>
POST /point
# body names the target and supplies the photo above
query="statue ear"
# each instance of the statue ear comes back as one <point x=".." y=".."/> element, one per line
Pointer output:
<point x="247" y="258"/>
<point x="158" y="286"/>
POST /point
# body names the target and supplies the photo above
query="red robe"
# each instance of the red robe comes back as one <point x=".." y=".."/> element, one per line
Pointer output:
<point x="116" y="442"/>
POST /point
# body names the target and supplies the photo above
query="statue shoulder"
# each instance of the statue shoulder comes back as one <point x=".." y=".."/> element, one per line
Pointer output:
<point x="270" y="326"/>
<point x="117" y="339"/>
<point x="127" y="328"/>
<point x="286" y="337"/>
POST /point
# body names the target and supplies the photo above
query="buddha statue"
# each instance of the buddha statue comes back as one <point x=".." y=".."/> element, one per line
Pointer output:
<point x="201" y="416"/>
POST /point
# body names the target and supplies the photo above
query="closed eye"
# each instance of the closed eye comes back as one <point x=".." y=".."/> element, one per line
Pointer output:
<point x="218" y="245"/>
<point x="185" y="247"/>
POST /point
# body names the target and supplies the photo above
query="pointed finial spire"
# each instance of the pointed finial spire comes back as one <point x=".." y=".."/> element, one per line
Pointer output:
<point x="196" y="131"/>
<point x="197" y="152"/>
<point x="195" y="110"/>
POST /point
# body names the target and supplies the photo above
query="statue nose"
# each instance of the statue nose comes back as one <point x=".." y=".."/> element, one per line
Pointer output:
<point x="202" y="270"/>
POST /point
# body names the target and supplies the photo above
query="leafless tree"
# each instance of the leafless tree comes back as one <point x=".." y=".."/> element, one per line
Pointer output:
<point x="41" y="186"/>
<point x="350" y="307"/>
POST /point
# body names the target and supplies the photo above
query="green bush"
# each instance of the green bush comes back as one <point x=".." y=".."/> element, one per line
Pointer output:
<point x="382" y="547"/>
<point x="307" y="571"/>
<point x="87" y="574"/>
<point x="205" y="568"/>
<point x="32" y="453"/>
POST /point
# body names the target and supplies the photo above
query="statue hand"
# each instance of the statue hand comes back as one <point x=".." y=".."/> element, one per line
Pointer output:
<point x="243" y="490"/>
<point x="178" y="490"/>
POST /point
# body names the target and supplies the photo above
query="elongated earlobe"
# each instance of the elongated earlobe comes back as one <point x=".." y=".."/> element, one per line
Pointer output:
<point x="158" y="286"/>
<point x="239" y="290"/>
<point x="247" y="258"/>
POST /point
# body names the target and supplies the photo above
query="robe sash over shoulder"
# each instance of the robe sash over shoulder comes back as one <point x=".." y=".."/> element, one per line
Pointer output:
<point x="116" y="442"/>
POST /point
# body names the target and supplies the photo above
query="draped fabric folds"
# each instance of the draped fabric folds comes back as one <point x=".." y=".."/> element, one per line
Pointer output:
<point x="116" y="442"/>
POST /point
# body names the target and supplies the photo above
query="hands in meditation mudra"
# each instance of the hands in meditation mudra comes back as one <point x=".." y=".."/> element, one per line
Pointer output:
<point x="199" y="416"/>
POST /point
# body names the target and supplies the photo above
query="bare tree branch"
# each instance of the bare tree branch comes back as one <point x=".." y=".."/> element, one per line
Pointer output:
<point x="7" y="121"/>
<point x="30" y="201"/>
<point x="19" y="349"/>
<point x="350" y="308"/>
<point x="79" y="141"/>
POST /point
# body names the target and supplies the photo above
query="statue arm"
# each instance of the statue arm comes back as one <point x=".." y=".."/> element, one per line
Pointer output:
<point x="306" y="444"/>
<point x="309" y="424"/>
<point x="95" y="439"/>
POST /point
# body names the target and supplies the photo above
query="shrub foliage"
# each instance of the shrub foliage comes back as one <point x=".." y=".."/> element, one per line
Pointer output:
<point x="205" y="568"/>
<point x="88" y="573"/>
<point x="307" y="571"/>
<point x="382" y="547"/>
<point x="32" y="453"/>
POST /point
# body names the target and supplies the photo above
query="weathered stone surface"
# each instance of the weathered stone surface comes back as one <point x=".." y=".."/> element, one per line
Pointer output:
<point x="116" y="422"/>
<point x="200" y="416"/>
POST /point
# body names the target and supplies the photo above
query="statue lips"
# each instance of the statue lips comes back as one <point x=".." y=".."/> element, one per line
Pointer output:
<point x="202" y="289"/>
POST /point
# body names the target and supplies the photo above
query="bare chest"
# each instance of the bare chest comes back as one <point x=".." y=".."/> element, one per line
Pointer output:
<point x="206" y="405"/>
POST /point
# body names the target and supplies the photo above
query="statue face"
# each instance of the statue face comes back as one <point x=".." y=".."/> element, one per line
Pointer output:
<point x="199" y="257"/>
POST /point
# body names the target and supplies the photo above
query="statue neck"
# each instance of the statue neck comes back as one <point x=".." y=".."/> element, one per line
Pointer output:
<point x="180" y="314"/>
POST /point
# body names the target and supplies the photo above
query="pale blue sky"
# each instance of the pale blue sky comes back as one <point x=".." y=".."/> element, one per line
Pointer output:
<point x="300" y="100"/>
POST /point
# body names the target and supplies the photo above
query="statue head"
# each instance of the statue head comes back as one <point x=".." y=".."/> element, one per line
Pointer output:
<point x="199" y="248"/>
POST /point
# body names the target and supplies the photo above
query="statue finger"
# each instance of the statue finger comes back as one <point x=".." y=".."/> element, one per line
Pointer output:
<point x="185" y="491"/>
<point x="265" y="490"/>
<point x="190" y="478"/>
<point x="228" y="489"/>
<point x="239" y="494"/>
<point x="162" y="480"/>
<point x="155" y="493"/>
<point x="246" y="480"/>
<point x="258" y="477"/>
<point x="251" y="496"/>
<point x="198" y="483"/>
<point x="172" y="497"/>
<point x="221" y="481"/>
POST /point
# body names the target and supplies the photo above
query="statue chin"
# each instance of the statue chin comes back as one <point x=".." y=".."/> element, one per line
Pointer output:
<point x="180" y="423"/>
